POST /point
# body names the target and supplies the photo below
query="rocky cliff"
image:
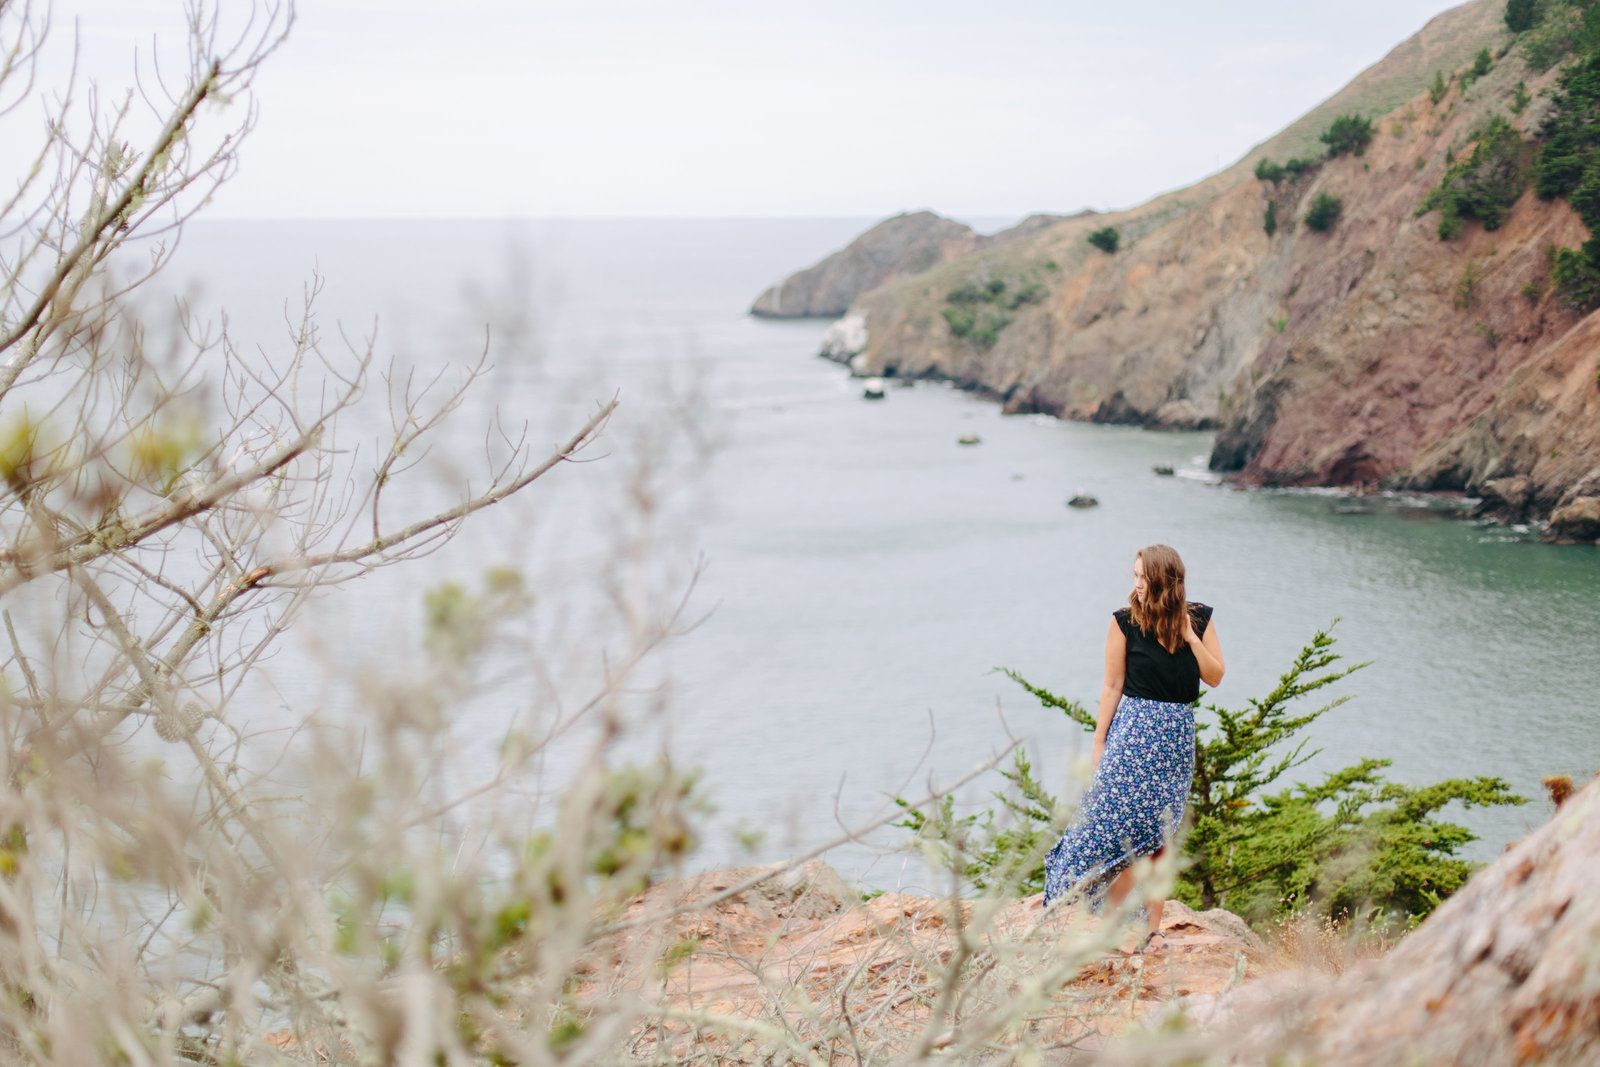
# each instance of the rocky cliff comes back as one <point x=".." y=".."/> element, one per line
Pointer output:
<point x="1372" y="353"/>
<point x="905" y="244"/>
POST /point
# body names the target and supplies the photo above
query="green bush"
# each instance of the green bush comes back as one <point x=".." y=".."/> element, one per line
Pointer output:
<point x="1569" y="165"/>
<point x="1484" y="185"/>
<point x="1270" y="222"/>
<point x="1268" y="171"/>
<point x="1351" y="842"/>
<point x="979" y="325"/>
<point x="1521" y="14"/>
<point x="1439" y="87"/>
<point x="1349" y="133"/>
<point x="1324" y="212"/>
<point x="1482" y="63"/>
<point x="1520" y="98"/>
<point x="1030" y="293"/>
<point x="960" y="319"/>
<point x="1570" y="134"/>
<point x="1559" y="29"/>
<point x="1576" y="275"/>
<point x="1297" y="167"/>
<point x="966" y="293"/>
<point x="1105" y="239"/>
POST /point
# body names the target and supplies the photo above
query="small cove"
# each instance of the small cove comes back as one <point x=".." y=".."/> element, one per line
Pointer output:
<point x="862" y="573"/>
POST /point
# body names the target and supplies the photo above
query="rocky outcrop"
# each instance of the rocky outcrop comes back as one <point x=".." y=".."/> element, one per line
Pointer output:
<point x="845" y="339"/>
<point x="1576" y="521"/>
<point x="896" y="247"/>
<point x="1505" y="972"/>
<point x="801" y="953"/>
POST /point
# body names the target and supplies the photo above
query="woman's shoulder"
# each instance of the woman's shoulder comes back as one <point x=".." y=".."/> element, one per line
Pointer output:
<point x="1201" y="614"/>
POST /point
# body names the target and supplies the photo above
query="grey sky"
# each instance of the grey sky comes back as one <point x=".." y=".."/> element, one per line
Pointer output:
<point x="705" y="107"/>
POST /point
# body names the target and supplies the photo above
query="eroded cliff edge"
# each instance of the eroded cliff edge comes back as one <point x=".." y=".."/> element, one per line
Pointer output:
<point x="1375" y="353"/>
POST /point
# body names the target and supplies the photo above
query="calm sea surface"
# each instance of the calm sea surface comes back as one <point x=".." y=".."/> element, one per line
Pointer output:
<point x="860" y="574"/>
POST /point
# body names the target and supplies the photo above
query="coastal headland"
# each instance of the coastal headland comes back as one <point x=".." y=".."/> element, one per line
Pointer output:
<point x="1370" y="353"/>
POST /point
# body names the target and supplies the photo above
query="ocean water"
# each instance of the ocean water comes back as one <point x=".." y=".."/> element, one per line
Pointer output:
<point x="850" y="576"/>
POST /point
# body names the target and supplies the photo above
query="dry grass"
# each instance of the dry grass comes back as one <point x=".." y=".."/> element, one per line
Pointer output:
<point x="1308" y="942"/>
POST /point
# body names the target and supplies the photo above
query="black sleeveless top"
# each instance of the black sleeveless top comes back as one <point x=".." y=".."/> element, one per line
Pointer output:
<point x="1153" y="673"/>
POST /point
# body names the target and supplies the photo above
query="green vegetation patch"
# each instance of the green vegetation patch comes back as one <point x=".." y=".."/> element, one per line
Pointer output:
<point x="1268" y="171"/>
<point x="1324" y="212"/>
<point x="1106" y="239"/>
<point x="1521" y="14"/>
<point x="1482" y="63"/>
<point x="1349" y="133"/>
<point x="977" y="311"/>
<point x="1350" y="845"/>
<point x="1569" y="166"/>
<point x="1482" y="186"/>
<point x="1555" y="30"/>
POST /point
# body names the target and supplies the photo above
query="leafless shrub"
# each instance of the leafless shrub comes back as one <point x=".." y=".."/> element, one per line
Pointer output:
<point x="181" y="883"/>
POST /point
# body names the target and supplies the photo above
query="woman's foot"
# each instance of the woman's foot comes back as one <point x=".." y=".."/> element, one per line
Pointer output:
<point x="1150" y="946"/>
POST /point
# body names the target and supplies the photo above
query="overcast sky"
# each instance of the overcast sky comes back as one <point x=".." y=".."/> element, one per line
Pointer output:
<point x="382" y="108"/>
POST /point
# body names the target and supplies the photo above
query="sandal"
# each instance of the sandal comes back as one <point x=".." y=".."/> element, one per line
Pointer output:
<point x="1145" y="949"/>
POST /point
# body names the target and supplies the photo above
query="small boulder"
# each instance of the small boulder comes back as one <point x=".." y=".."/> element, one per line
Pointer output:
<point x="1577" y="520"/>
<point x="1505" y="499"/>
<point x="1083" y="500"/>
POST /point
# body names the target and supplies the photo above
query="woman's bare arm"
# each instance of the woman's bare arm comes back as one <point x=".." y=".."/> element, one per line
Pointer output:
<point x="1111" y="688"/>
<point x="1207" y="652"/>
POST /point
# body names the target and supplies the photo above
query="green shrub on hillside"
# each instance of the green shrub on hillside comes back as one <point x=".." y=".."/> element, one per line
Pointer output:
<point x="1520" y="98"/>
<point x="1481" y="65"/>
<point x="1324" y="212"/>
<point x="1439" y="87"/>
<point x="1268" y="171"/>
<point x="1576" y="275"/>
<point x="1351" y="842"/>
<point x="1521" y="14"/>
<point x="1484" y="185"/>
<point x="1569" y="166"/>
<point x="960" y="319"/>
<point x="1559" y="29"/>
<point x="1349" y="133"/>
<point x="1270" y="221"/>
<point x="1031" y="293"/>
<point x="978" y="310"/>
<point x="1105" y="239"/>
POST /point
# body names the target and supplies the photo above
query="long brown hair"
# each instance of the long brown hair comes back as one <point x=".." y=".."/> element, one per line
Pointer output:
<point x="1161" y="613"/>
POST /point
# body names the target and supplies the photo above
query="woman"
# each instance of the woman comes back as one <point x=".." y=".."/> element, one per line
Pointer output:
<point x="1158" y="650"/>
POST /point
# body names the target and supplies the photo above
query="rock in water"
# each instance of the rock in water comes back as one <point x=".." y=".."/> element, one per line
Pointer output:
<point x="1576" y="521"/>
<point x="895" y="247"/>
<point x="1083" y="500"/>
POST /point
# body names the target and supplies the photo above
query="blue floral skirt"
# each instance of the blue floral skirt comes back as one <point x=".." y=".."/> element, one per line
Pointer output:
<point x="1139" y="794"/>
